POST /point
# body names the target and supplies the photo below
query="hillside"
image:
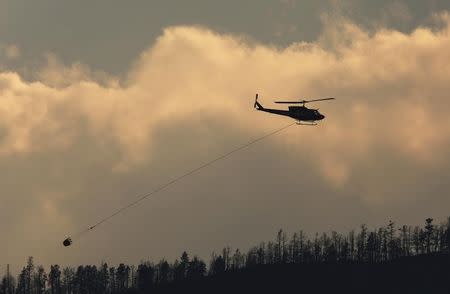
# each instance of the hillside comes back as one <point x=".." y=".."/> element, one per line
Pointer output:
<point x="418" y="274"/>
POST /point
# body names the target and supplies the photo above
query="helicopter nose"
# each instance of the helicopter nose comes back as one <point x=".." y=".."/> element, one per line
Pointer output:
<point x="322" y="116"/>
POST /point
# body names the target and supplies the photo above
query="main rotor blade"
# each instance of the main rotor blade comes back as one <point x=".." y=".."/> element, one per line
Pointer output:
<point x="304" y="101"/>
<point x="288" y="102"/>
<point x="321" y="99"/>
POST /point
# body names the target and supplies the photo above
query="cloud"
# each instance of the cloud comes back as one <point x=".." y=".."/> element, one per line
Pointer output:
<point x="188" y="98"/>
<point x="56" y="74"/>
<point x="9" y="51"/>
<point x="192" y="73"/>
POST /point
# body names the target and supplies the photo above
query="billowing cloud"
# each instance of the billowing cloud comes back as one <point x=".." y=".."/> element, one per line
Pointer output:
<point x="9" y="51"/>
<point x="188" y="98"/>
<point x="195" y="73"/>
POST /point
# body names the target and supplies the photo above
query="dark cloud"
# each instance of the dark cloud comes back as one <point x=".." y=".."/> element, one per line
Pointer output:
<point x="108" y="34"/>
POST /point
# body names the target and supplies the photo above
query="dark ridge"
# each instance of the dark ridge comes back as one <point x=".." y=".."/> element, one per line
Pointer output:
<point x="387" y="259"/>
<point x="414" y="274"/>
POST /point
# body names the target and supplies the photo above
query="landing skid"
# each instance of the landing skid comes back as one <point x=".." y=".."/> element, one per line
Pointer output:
<point x="306" y="124"/>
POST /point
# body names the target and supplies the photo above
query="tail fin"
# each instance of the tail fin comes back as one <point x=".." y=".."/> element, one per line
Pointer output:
<point x="257" y="105"/>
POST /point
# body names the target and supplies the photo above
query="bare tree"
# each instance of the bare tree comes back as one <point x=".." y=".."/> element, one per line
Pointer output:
<point x="54" y="279"/>
<point x="39" y="280"/>
<point x="429" y="230"/>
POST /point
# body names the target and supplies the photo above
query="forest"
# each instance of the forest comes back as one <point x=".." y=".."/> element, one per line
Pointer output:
<point x="294" y="257"/>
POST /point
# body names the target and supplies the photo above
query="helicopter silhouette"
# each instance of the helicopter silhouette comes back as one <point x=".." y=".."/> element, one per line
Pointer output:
<point x="300" y="113"/>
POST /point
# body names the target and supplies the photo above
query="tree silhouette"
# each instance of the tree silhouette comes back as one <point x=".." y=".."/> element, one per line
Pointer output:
<point x="184" y="264"/>
<point x="68" y="280"/>
<point x="54" y="279"/>
<point x="122" y="277"/>
<point x="217" y="265"/>
<point x="145" y="276"/>
<point x="7" y="285"/>
<point x="196" y="269"/>
<point x="163" y="270"/>
<point x="363" y="247"/>
<point x="103" y="278"/>
<point x="429" y="229"/>
<point x="447" y="235"/>
<point x="40" y="280"/>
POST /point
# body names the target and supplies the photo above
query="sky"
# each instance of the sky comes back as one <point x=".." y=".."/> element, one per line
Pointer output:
<point x="104" y="101"/>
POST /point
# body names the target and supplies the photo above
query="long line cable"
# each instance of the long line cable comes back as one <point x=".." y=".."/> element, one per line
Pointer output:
<point x="163" y="187"/>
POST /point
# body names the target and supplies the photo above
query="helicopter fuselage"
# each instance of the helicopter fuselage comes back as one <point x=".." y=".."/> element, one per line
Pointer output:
<point x="300" y="113"/>
<point x="305" y="114"/>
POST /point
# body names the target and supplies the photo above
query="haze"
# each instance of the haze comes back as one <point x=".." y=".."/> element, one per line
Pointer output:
<point x="102" y="102"/>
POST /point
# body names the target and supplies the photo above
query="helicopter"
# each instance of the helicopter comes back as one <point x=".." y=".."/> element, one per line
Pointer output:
<point x="303" y="115"/>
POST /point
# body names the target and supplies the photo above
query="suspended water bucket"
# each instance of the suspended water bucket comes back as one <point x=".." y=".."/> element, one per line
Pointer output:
<point x="67" y="242"/>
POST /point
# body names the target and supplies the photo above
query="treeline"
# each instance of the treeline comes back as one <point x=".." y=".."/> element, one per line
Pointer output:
<point x="363" y="246"/>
